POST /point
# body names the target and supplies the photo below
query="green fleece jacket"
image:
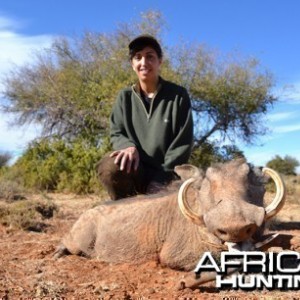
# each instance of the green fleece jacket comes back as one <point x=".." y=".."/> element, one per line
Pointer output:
<point x="164" y="135"/>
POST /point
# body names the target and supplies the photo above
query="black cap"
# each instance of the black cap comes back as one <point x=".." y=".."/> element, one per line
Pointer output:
<point x="142" y="41"/>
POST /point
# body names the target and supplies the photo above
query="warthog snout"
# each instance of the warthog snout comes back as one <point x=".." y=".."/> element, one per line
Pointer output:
<point x="230" y="233"/>
<point x="233" y="221"/>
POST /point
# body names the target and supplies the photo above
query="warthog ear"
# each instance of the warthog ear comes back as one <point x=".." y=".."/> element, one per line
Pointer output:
<point x="187" y="171"/>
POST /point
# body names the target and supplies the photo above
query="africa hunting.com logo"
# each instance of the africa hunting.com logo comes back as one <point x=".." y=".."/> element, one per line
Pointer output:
<point x="253" y="270"/>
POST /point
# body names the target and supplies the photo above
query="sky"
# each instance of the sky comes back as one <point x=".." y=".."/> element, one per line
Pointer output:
<point x="265" y="29"/>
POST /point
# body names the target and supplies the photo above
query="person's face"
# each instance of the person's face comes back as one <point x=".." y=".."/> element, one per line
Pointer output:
<point x="146" y="64"/>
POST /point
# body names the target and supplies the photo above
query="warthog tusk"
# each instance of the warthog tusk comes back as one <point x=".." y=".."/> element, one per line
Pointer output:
<point x="248" y="245"/>
<point x="184" y="205"/>
<point x="276" y="205"/>
<point x="266" y="241"/>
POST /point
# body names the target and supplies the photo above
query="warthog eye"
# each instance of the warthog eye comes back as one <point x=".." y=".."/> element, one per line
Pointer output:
<point x="220" y="231"/>
<point x="249" y="231"/>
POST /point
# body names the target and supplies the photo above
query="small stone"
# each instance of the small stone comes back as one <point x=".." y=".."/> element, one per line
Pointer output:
<point x="151" y="290"/>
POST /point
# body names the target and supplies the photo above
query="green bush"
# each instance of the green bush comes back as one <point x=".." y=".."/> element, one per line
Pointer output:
<point x="59" y="166"/>
<point x="210" y="153"/>
<point x="286" y="165"/>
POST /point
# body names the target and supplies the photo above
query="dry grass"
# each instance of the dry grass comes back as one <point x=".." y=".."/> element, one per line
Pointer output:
<point x="26" y="214"/>
<point x="293" y="188"/>
<point x="11" y="190"/>
<point x="48" y="290"/>
<point x="289" y="217"/>
<point x="292" y="184"/>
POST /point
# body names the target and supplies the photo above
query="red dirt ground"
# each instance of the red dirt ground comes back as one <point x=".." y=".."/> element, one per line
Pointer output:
<point x="29" y="271"/>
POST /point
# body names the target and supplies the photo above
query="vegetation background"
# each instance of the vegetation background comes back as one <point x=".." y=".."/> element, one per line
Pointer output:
<point x="70" y="89"/>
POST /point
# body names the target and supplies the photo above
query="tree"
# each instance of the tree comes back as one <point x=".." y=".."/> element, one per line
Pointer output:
<point x="229" y="95"/>
<point x="71" y="87"/>
<point x="286" y="165"/>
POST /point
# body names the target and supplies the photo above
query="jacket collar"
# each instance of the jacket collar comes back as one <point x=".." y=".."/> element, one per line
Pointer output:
<point x="137" y="87"/>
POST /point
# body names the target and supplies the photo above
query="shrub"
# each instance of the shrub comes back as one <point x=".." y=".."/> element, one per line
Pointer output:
<point x="210" y="153"/>
<point x="60" y="166"/>
<point x="286" y="165"/>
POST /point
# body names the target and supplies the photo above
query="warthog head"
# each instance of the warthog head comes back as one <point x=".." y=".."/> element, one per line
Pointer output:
<point x="231" y="199"/>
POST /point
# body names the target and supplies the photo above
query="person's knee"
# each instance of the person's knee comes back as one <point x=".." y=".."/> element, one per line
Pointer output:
<point x="119" y="184"/>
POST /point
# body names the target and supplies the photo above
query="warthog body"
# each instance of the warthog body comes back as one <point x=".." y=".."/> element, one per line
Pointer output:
<point x="225" y="205"/>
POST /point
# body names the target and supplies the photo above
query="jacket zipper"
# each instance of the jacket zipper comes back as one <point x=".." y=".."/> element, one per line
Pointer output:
<point x="151" y="104"/>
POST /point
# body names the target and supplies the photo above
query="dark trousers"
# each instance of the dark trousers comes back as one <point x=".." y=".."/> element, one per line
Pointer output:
<point x="120" y="184"/>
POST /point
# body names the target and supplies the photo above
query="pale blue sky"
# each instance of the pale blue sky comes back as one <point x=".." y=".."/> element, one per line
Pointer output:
<point x="265" y="29"/>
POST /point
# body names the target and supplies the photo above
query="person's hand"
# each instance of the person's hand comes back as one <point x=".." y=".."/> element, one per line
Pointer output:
<point x="127" y="158"/>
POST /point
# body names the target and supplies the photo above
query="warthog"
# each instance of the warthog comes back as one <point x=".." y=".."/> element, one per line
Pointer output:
<point x="224" y="204"/>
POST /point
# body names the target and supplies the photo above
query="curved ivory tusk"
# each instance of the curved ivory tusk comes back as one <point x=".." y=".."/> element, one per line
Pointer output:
<point x="266" y="241"/>
<point x="276" y="205"/>
<point x="184" y="206"/>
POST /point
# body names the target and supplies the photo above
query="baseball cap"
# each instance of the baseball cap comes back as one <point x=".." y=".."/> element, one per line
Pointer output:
<point x="142" y="41"/>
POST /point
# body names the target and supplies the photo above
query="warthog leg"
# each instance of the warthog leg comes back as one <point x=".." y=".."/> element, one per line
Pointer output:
<point x="60" y="251"/>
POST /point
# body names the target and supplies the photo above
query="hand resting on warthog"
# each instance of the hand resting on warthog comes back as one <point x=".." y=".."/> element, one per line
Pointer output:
<point x="223" y="205"/>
